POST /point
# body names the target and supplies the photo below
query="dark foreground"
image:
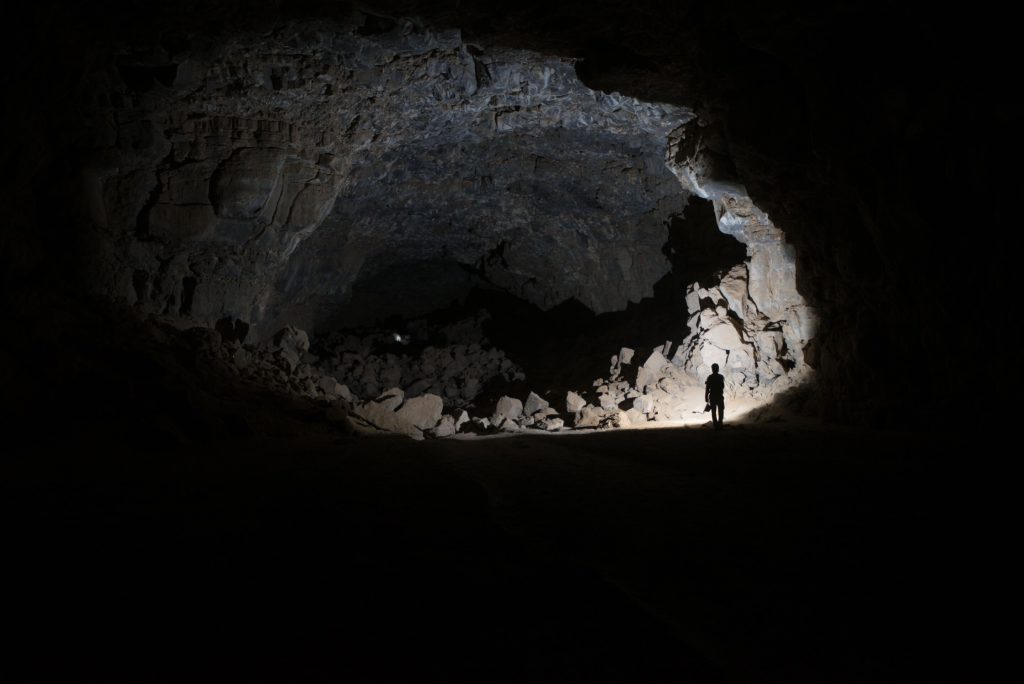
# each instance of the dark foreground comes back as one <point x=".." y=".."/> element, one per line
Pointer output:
<point x="762" y="553"/>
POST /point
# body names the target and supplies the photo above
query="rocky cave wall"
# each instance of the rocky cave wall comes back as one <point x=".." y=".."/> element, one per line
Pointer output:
<point x="261" y="180"/>
<point x="266" y="177"/>
<point x="851" y="127"/>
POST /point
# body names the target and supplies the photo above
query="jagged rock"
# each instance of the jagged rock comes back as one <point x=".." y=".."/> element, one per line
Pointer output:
<point x="329" y="386"/>
<point x="534" y="403"/>
<point x="644" y="404"/>
<point x="551" y="424"/>
<point x="635" y="416"/>
<point x="445" y="428"/>
<point x="423" y="411"/>
<point x="287" y="359"/>
<point x="382" y="417"/>
<point x="594" y="417"/>
<point x="455" y="372"/>
<point x="461" y="420"/>
<point x="291" y="338"/>
<point x="574" y="403"/>
<point x="391" y="399"/>
<point x="652" y="370"/>
<point x="507" y="410"/>
<point x="626" y="356"/>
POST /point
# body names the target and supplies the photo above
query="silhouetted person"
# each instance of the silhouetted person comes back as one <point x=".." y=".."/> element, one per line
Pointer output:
<point x="714" y="394"/>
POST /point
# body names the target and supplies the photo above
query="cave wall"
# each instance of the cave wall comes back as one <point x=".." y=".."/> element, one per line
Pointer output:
<point x="869" y="141"/>
<point x="264" y="177"/>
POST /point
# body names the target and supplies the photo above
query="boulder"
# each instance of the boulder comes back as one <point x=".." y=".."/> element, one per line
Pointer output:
<point x="574" y="403"/>
<point x="652" y="371"/>
<point x="291" y="338"/>
<point x="635" y="416"/>
<point x="445" y="428"/>
<point x="551" y="424"/>
<point x="391" y="399"/>
<point x="423" y="411"/>
<point x="507" y="410"/>
<point x="594" y="417"/>
<point x="644" y="404"/>
<point x="534" y="403"/>
<point x="329" y="386"/>
<point x="379" y="416"/>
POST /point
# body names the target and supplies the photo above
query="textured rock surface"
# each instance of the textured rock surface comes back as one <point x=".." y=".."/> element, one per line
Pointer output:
<point x="140" y="121"/>
<point x="321" y="174"/>
<point x="423" y="412"/>
<point x="275" y="172"/>
<point x="456" y="364"/>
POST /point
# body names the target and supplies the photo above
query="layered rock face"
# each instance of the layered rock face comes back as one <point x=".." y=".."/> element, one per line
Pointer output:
<point x="263" y="178"/>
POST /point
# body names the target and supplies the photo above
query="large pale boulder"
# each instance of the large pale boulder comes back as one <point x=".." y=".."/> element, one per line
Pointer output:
<point x="379" y="416"/>
<point x="507" y="411"/>
<point x="424" y="411"/>
<point x="445" y="427"/>
<point x="595" y="417"/>
<point x="391" y="399"/>
<point x="534" y="403"/>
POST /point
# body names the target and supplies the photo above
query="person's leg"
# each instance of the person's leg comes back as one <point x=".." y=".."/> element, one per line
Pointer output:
<point x="721" y="412"/>
<point x="714" y="413"/>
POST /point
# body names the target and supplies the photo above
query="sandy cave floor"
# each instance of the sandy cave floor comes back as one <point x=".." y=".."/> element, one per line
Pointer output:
<point x="765" y="552"/>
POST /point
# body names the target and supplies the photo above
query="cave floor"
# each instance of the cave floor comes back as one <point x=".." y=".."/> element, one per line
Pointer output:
<point x="778" y="552"/>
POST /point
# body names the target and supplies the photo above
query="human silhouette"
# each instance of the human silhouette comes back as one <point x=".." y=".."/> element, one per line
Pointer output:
<point x="714" y="395"/>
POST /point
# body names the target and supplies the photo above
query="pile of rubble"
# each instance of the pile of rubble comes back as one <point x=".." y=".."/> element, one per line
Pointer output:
<point x="453" y="362"/>
<point x="425" y="380"/>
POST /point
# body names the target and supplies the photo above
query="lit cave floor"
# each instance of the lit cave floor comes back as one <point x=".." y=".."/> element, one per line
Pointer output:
<point x="779" y="552"/>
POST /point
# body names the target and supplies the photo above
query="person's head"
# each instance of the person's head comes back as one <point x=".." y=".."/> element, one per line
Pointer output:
<point x="714" y="368"/>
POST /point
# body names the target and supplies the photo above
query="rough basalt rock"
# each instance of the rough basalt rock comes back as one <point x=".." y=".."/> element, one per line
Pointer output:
<point x="275" y="172"/>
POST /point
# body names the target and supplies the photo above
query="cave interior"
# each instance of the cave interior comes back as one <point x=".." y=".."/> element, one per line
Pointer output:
<point x="367" y="341"/>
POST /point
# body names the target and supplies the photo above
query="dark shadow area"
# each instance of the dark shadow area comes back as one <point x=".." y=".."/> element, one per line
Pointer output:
<point x="387" y="295"/>
<point x="181" y="525"/>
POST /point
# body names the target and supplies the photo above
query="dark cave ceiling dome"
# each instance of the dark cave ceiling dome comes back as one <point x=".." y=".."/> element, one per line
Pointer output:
<point x="270" y="173"/>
